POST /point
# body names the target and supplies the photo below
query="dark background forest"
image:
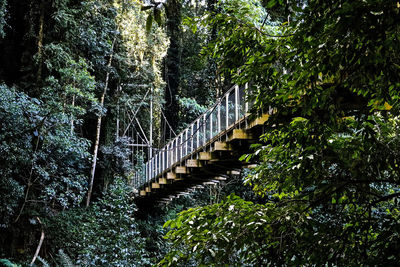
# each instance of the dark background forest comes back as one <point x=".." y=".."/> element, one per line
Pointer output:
<point x="326" y="187"/>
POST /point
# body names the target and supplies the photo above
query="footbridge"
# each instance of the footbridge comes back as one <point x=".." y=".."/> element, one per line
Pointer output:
<point x="206" y="152"/>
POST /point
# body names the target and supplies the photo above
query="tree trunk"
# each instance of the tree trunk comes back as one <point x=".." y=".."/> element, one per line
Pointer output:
<point x="40" y="41"/>
<point x="72" y="116"/>
<point x="172" y="63"/>
<point x="98" y="129"/>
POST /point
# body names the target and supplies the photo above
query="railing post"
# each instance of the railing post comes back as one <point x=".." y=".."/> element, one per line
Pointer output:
<point x="227" y="111"/>
<point x="147" y="171"/>
<point x="211" y="125"/>
<point x="176" y="149"/>
<point x="237" y="103"/>
<point x="246" y="105"/>
<point x="166" y="156"/>
<point x="163" y="160"/>
<point x="186" y="141"/>
<point x="157" y="164"/>
<point x="191" y="138"/>
<point x="204" y="130"/>
<point x="198" y="133"/>
<point x="219" y="118"/>
<point x="169" y="154"/>
<point x="154" y="167"/>
<point x="151" y="169"/>
<point x="181" y="146"/>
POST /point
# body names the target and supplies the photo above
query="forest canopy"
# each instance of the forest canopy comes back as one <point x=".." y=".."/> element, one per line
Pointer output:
<point x="80" y="81"/>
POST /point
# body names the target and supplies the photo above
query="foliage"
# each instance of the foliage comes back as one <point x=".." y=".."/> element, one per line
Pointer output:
<point x="189" y="109"/>
<point x="3" y="16"/>
<point x="230" y="233"/>
<point x="104" y="234"/>
<point x="56" y="61"/>
<point x="42" y="162"/>
<point x="198" y="72"/>
<point x="8" y="263"/>
<point x="116" y="157"/>
<point x="72" y="91"/>
<point x="152" y="232"/>
<point x="43" y="262"/>
<point x="328" y="159"/>
<point x="64" y="259"/>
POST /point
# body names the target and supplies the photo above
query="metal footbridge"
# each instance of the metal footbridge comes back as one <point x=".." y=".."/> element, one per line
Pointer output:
<point x="206" y="152"/>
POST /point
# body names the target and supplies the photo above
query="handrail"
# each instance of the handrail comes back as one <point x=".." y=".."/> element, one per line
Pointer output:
<point x="211" y="109"/>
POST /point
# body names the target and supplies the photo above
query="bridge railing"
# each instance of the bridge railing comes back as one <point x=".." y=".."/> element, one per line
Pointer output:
<point x="226" y="113"/>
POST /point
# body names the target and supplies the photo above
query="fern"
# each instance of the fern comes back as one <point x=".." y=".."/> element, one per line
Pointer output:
<point x="43" y="261"/>
<point x="8" y="263"/>
<point x="64" y="259"/>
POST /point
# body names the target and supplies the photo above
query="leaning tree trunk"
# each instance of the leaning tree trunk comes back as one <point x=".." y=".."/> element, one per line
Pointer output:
<point x="98" y="129"/>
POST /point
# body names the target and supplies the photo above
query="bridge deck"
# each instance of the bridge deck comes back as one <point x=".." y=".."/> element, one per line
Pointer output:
<point x="204" y="153"/>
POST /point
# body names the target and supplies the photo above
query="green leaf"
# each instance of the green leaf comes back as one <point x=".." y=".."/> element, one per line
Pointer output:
<point x="167" y="223"/>
<point x="157" y="16"/>
<point x="271" y="4"/>
<point x="149" y="23"/>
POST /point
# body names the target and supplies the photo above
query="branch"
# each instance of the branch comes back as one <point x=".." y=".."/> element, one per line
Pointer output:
<point x="30" y="178"/>
<point x="385" y="198"/>
<point x="40" y="242"/>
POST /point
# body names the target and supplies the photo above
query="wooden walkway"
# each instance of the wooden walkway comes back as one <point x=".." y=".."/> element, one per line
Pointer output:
<point x="206" y="152"/>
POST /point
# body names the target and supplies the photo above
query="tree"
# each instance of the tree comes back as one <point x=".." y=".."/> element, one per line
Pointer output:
<point x="56" y="62"/>
<point x="173" y="62"/>
<point x="43" y="165"/>
<point x="328" y="165"/>
<point x="106" y="233"/>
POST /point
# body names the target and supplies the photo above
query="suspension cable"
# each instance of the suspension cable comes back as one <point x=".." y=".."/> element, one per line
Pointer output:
<point x="144" y="135"/>
<point x="169" y="125"/>
<point x="135" y="113"/>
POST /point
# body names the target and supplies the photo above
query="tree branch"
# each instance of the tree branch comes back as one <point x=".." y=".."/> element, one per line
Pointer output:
<point x="40" y="242"/>
<point x="385" y="198"/>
